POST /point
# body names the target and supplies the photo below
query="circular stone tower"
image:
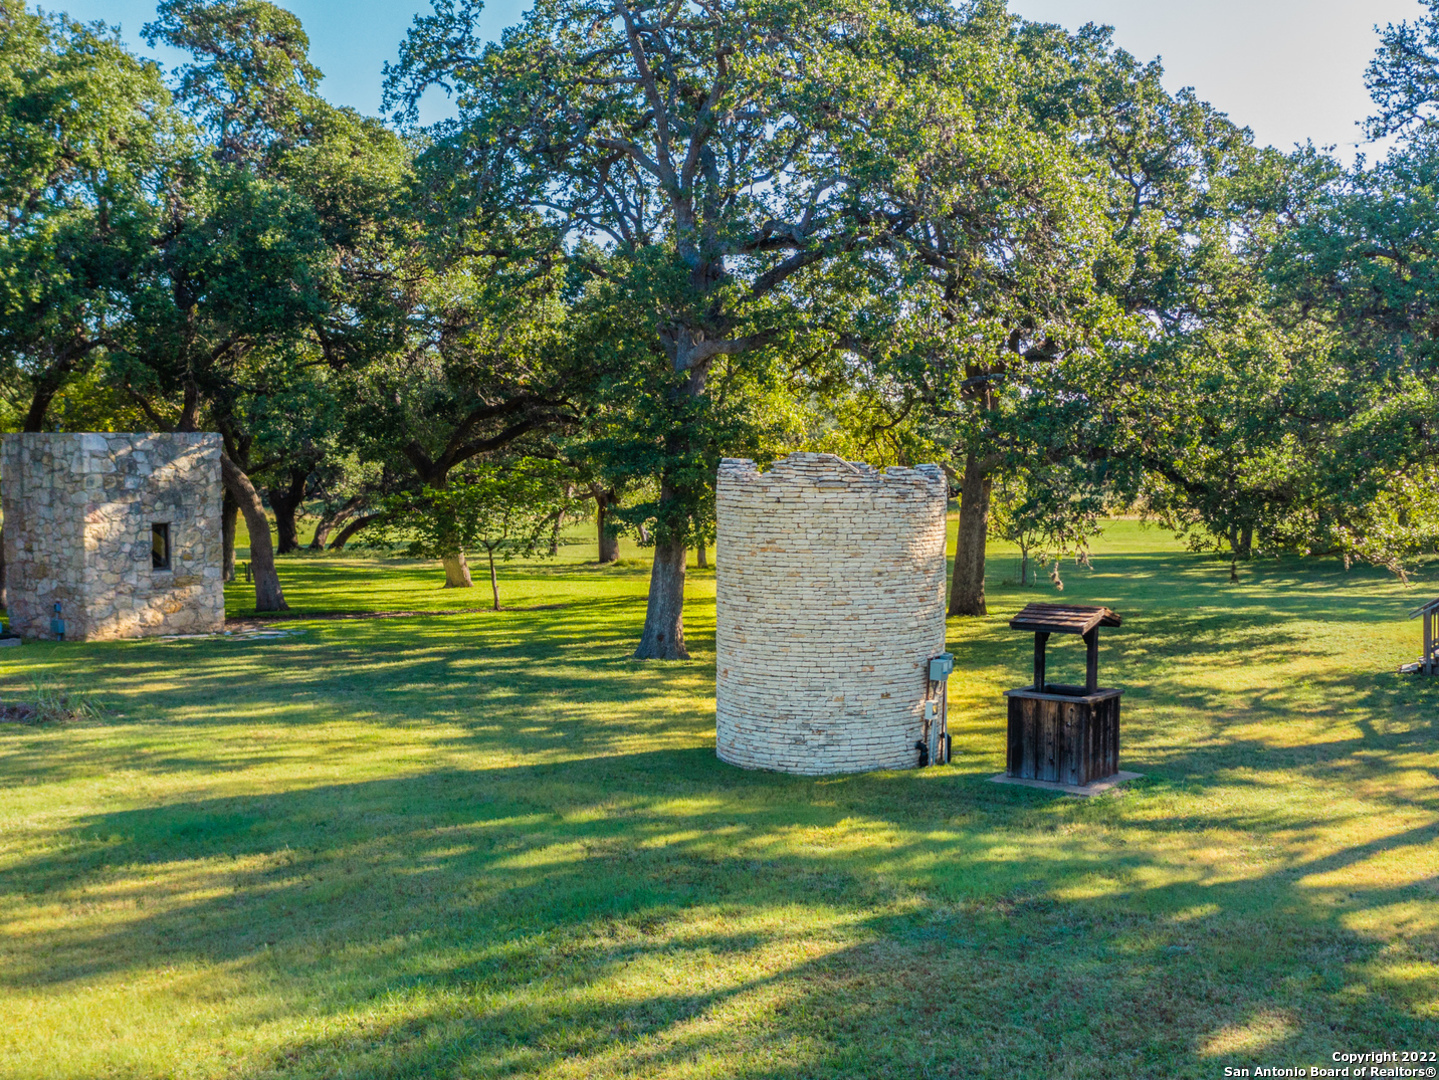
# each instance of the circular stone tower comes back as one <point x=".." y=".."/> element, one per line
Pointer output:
<point x="830" y="604"/>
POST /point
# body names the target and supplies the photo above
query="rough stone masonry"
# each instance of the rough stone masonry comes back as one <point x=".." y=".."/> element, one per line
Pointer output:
<point x="89" y="518"/>
<point x="830" y="603"/>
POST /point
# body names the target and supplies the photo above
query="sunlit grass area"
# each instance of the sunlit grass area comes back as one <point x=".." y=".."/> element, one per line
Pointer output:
<point x="489" y="844"/>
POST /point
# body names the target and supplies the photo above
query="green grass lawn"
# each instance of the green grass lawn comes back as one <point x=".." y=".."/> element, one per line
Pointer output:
<point x="489" y="844"/>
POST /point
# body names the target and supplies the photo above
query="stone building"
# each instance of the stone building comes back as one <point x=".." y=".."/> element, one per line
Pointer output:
<point x="830" y="603"/>
<point x="122" y="531"/>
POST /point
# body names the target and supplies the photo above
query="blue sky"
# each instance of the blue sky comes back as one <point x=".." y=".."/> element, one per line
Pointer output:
<point x="1290" y="69"/>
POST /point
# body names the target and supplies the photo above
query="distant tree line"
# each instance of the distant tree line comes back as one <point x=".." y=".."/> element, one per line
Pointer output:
<point x="659" y="234"/>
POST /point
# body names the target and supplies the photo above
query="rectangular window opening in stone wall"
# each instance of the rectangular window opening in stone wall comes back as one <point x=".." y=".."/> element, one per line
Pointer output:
<point x="160" y="545"/>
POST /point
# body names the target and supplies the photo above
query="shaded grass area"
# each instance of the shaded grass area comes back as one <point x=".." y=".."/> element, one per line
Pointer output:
<point x="491" y="845"/>
<point x="359" y="580"/>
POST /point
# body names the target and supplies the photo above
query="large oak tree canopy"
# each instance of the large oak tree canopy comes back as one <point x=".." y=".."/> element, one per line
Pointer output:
<point x="87" y="133"/>
<point x="713" y="134"/>
<point x="714" y="151"/>
<point x="659" y="234"/>
<point x="270" y="266"/>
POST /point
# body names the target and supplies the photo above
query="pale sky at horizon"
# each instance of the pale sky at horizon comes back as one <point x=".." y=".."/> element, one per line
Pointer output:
<point x="1296" y="71"/>
<point x="1292" y="70"/>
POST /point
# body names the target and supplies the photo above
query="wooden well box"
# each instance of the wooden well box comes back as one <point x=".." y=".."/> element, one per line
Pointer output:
<point x="1063" y="739"/>
<point x="1059" y="733"/>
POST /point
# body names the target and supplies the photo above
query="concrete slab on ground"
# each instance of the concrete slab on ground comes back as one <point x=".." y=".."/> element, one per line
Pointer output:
<point x="1098" y="787"/>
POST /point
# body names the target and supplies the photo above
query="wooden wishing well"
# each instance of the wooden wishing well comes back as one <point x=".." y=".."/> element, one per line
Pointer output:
<point x="1061" y="733"/>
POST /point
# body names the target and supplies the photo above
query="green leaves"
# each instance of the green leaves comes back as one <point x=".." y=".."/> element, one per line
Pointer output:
<point x="86" y="137"/>
<point x="1050" y="511"/>
<point x="251" y="82"/>
<point x="1403" y="78"/>
<point x="505" y="510"/>
<point x="658" y="235"/>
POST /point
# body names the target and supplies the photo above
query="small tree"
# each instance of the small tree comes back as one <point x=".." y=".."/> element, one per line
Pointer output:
<point x="505" y="510"/>
<point x="1050" y="512"/>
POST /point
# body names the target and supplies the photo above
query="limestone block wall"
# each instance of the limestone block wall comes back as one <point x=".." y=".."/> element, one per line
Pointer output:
<point x="830" y="603"/>
<point x="79" y="511"/>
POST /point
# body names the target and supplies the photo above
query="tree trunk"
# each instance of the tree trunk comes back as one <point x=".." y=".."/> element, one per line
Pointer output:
<point x="350" y="530"/>
<point x="329" y="519"/>
<point x="285" y="501"/>
<point x="494" y="581"/>
<point x="1023" y="566"/>
<point x="609" y="543"/>
<point x="1241" y="546"/>
<point x="701" y="559"/>
<point x="286" y="531"/>
<point x="268" y="594"/>
<point x="229" y="513"/>
<point x="966" y="592"/>
<point x="457" y="571"/>
<point x="664" y="635"/>
<point x="50" y="383"/>
<point x="39" y="406"/>
<point x="4" y="600"/>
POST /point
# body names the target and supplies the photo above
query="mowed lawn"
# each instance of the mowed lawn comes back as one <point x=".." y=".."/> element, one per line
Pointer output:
<point x="490" y="844"/>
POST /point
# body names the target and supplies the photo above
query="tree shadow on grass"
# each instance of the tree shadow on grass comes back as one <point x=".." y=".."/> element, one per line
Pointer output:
<point x="643" y="911"/>
<point x="521" y="682"/>
<point x="561" y="684"/>
<point x="1183" y="583"/>
<point x="618" y="902"/>
<point x="1313" y="588"/>
<point x="377" y="583"/>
